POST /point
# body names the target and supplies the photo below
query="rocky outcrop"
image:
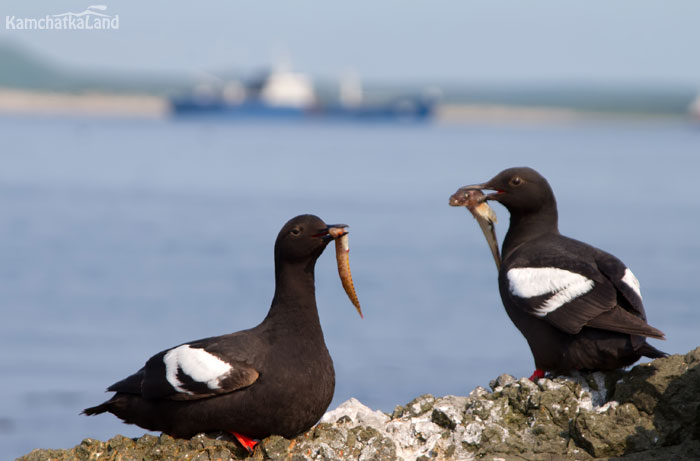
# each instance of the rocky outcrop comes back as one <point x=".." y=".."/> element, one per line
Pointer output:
<point x="649" y="412"/>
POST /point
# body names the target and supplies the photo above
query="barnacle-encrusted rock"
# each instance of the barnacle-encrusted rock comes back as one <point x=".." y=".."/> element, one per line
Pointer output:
<point x="649" y="412"/>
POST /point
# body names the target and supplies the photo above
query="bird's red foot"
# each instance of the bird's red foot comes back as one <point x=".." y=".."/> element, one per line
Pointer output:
<point x="537" y="375"/>
<point x="247" y="443"/>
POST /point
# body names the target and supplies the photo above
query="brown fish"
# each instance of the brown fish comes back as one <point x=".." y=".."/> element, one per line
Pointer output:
<point x="474" y="201"/>
<point x="342" y="250"/>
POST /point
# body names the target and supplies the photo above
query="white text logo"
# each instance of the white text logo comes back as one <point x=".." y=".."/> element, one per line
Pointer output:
<point x="93" y="18"/>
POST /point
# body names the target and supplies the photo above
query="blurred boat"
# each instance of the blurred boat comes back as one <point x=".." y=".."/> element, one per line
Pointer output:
<point x="285" y="94"/>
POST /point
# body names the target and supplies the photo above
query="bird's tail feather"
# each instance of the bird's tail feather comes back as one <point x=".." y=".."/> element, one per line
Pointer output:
<point x="96" y="410"/>
<point x="647" y="350"/>
<point x="620" y="320"/>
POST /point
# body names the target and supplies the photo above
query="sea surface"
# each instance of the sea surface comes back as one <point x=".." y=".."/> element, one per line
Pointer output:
<point x="121" y="238"/>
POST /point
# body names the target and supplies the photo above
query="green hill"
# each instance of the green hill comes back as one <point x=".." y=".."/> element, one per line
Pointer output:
<point x="24" y="69"/>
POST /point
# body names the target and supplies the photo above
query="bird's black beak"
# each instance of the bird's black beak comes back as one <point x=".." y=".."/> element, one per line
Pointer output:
<point x="332" y="232"/>
<point x="462" y="195"/>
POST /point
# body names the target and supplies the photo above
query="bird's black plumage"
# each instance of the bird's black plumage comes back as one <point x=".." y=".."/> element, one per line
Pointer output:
<point x="579" y="307"/>
<point x="275" y="378"/>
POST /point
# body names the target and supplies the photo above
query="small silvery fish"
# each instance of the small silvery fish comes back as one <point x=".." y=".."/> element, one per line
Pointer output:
<point x="473" y="200"/>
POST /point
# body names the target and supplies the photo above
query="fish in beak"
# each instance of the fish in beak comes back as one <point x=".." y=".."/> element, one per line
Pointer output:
<point x="339" y="233"/>
<point x="474" y="200"/>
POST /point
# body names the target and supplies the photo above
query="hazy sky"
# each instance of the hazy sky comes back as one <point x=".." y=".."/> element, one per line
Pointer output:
<point x="637" y="41"/>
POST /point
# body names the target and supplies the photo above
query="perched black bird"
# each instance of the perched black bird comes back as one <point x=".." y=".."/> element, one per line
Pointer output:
<point x="579" y="308"/>
<point x="276" y="378"/>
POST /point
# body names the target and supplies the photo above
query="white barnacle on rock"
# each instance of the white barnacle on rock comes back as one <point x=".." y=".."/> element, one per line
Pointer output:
<point x="611" y="405"/>
<point x="416" y="408"/>
<point x="358" y="413"/>
<point x="590" y="399"/>
<point x="453" y="407"/>
<point x="402" y="435"/>
<point x="369" y="452"/>
<point x="585" y="402"/>
<point x="413" y="436"/>
<point x="425" y="429"/>
<point x="478" y="392"/>
<point x="505" y="433"/>
<point x="497" y="412"/>
<point x="473" y="432"/>
<point x="502" y="381"/>
<point x="547" y="384"/>
<point x="324" y="451"/>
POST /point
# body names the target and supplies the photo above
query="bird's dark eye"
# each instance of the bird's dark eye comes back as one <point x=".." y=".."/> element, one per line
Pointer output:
<point x="295" y="231"/>
<point x="516" y="181"/>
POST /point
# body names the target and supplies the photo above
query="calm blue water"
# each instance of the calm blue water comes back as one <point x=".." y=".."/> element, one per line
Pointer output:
<point x="121" y="238"/>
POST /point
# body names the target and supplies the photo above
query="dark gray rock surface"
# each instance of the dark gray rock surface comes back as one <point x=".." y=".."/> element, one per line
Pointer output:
<point x="650" y="412"/>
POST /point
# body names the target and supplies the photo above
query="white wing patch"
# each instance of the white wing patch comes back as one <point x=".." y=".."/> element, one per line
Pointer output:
<point x="632" y="282"/>
<point x="198" y="364"/>
<point x="563" y="285"/>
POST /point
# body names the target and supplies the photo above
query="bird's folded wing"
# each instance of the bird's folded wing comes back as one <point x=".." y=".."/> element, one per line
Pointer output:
<point x="189" y="372"/>
<point x="567" y="297"/>
<point x="624" y="281"/>
<point x="575" y="294"/>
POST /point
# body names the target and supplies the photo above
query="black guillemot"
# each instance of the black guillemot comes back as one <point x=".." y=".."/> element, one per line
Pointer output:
<point x="275" y="378"/>
<point x="578" y="307"/>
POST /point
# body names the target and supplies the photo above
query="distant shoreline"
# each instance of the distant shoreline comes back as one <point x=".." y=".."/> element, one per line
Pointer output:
<point x="103" y="104"/>
<point x="27" y="102"/>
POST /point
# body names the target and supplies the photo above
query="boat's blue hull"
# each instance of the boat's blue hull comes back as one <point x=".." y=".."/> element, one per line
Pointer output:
<point x="399" y="110"/>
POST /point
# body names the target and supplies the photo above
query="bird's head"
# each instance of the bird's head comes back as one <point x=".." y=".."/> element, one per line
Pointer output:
<point x="521" y="190"/>
<point x="303" y="238"/>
